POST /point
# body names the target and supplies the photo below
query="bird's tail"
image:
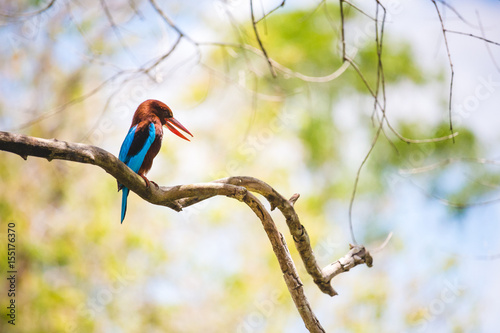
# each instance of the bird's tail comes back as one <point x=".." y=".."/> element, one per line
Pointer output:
<point x="124" y="202"/>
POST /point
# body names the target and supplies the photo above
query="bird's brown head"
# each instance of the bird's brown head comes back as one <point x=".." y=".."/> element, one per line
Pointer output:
<point x="164" y="113"/>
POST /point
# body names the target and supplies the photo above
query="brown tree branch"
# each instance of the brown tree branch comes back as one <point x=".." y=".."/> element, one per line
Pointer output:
<point x="180" y="196"/>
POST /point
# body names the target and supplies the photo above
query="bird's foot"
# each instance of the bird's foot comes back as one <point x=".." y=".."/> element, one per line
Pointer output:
<point x="149" y="182"/>
<point x="146" y="180"/>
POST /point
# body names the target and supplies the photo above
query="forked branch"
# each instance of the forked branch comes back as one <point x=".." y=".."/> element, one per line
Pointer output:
<point x="180" y="196"/>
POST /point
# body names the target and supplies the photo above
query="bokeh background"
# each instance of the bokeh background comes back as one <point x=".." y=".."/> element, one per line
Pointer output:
<point x="78" y="70"/>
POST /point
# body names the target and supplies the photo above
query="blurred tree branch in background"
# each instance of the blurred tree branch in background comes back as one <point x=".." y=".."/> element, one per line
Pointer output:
<point x="180" y="196"/>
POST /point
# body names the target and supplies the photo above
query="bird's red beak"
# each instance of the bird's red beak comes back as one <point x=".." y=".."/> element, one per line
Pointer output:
<point x="170" y="122"/>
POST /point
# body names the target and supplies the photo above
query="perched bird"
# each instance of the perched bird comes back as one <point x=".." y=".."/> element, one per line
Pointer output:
<point x="143" y="140"/>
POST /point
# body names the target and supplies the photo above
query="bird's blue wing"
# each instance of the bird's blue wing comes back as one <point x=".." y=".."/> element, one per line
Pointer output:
<point x="126" y="145"/>
<point x="135" y="161"/>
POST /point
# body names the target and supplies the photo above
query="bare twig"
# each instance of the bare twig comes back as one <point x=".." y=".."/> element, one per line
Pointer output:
<point x="164" y="56"/>
<point x="282" y="4"/>
<point x="317" y="79"/>
<point x="307" y="78"/>
<point x="384" y="244"/>
<point x="167" y="19"/>
<point x="380" y="84"/>
<point x="358" y="173"/>
<point x="182" y="35"/>
<point x="180" y="196"/>
<point x="377" y="104"/>
<point x="451" y="66"/>
<point x="407" y="140"/>
<point x="342" y="28"/>
<point x="473" y="36"/>
<point x="359" y="9"/>
<point x="460" y="16"/>
<point x="256" y="31"/>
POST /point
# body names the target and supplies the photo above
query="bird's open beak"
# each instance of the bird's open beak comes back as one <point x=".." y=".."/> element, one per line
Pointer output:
<point x="170" y="122"/>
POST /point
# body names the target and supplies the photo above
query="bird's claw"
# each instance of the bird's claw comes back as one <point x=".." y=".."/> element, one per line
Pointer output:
<point x="149" y="182"/>
<point x="146" y="180"/>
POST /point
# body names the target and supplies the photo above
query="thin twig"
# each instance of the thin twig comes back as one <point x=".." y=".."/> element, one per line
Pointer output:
<point x="254" y="24"/>
<point x="374" y="141"/>
<point x="342" y="28"/>
<point x="307" y="78"/>
<point x="359" y="9"/>
<point x="166" y="18"/>
<point x="384" y="244"/>
<point x="451" y="67"/>
<point x="407" y="140"/>
<point x="358" y="173"/>
<point x="164" y="56"/>
<point x="461" y="17"/>
<point x="380" y="82"/>
<point x="282" y="4"/>
<point x="473" y="36"/>
<point x="379" y="42"/>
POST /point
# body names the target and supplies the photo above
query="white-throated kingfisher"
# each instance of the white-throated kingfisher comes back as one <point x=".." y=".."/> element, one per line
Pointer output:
<point x="143" y="140"/>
